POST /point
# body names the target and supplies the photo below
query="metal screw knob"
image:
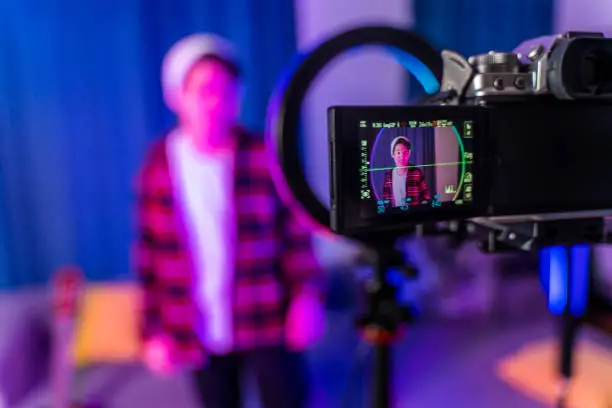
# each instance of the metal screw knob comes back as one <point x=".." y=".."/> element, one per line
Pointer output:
<point x="535" y="53"/>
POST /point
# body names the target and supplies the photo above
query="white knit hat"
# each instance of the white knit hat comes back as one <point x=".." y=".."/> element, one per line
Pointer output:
<point x="397" y="139"/>
<point x="184" y="54"/>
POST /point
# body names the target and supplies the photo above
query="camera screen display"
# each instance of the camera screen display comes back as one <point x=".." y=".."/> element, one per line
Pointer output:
<point x="397" y="166"/>
<point x="415" y="165"/>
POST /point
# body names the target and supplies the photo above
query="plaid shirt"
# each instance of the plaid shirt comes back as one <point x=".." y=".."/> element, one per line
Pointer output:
<point x="416" y="187"/>
<point x="274" y="259"/>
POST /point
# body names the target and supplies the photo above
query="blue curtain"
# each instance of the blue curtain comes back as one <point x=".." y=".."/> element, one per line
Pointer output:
<point x="477" y="26"/>
<point x="81" y="100"/>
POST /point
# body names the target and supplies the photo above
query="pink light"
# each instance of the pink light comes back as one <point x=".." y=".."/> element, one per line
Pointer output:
<point x="284" y="192"/>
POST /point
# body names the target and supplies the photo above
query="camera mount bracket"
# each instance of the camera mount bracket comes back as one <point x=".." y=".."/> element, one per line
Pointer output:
<point x="534" y="235"/>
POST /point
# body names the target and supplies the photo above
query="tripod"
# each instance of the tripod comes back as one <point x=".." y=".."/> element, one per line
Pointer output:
<point x="382" y="322"/>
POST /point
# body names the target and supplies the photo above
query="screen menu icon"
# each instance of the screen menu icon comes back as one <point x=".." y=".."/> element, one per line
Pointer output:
<point x="467" y="130"/>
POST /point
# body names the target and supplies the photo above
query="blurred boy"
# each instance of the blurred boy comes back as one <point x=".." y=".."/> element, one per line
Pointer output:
<point x="229" y="277"/>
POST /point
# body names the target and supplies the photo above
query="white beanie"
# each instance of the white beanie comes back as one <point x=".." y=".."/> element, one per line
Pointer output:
<point x="184" y="54"/>
<point x="397" y="139"/>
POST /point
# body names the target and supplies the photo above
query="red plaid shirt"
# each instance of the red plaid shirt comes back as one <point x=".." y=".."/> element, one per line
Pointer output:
<point x="274" y="258"/>
<point x="416" y="187"/>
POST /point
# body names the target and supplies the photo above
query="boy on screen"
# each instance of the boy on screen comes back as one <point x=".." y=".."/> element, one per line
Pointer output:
<point x="404" y="184"/>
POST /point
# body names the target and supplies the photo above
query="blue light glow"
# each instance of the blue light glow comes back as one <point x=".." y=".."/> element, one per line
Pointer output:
<point x="420" y="71"/>
<point x="579" y="270"/>
<point x="554" y="273"/>
<point x="565" y="278"/>
<point x="395" y="277"/>
<point x="426" y="78"/>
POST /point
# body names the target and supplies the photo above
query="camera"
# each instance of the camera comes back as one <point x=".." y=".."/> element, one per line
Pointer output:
<point x="510" y="137"/>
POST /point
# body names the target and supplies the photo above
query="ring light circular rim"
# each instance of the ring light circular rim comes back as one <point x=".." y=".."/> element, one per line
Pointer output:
<point x="284" y="110"/>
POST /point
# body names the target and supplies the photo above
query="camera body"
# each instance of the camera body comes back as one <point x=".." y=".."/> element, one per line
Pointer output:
<point x="532" y="129"/>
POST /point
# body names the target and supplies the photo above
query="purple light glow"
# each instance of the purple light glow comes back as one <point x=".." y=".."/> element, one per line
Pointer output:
<point x="276" y="172"/>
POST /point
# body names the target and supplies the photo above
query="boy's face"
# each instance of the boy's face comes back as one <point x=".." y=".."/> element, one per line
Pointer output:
<point x="401" y="155"/>
<point x="210" y="96"/>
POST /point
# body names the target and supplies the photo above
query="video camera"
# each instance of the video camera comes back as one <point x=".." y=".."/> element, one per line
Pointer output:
<point x="510" y="137"/>
<point x="529" y="128"/>
<point x="512" y="148"/>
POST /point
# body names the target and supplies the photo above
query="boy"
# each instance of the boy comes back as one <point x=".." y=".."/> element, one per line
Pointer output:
<point x="229" y="278"/>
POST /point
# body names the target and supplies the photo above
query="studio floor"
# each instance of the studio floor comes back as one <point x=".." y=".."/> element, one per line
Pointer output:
<point x="439" y="364"/>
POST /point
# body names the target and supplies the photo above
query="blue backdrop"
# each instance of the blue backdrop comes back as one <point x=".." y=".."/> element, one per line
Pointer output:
<point x="477" y="26"/>
<point x="80" y="100"/>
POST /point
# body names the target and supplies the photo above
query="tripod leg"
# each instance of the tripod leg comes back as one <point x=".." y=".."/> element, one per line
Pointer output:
<point x="381" y="394"/>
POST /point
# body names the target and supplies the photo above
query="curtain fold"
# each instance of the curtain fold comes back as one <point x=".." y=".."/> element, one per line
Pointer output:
<point x="81" y="100"/>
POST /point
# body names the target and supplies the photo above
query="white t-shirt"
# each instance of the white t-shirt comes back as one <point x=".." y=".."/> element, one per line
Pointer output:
<point x="399" y="188"/>
<point x="204" y="186"/>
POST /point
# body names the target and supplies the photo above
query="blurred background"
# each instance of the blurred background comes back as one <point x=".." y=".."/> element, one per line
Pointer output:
<point x="80" y="100"/>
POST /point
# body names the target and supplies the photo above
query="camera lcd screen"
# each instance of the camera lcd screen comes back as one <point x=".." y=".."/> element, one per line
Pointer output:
<point x="393" y="165"/>
<point x="415" y="165"/>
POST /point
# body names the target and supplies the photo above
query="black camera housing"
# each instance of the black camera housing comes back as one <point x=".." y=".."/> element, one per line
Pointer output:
<point x="538" y="155"/>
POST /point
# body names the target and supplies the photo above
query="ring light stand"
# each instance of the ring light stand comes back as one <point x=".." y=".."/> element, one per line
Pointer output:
<point x="380" y="324"/>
